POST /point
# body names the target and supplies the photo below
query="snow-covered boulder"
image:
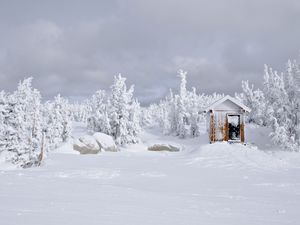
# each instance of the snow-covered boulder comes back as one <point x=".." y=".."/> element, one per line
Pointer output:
<point x="105" y="142"/>
<point x="86" y="145"/>
<point x="164" y="147"/>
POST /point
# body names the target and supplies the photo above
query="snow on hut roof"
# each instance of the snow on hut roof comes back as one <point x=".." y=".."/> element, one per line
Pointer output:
<point x="229" y="98"/>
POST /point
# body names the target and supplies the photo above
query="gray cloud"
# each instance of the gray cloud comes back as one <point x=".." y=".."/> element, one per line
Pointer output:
<point x="76" y="47"/>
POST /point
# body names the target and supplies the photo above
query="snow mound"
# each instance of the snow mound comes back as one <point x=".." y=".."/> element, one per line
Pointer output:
<point x="105" y="142"/>
<point x="4" y="165"/>
<point x="66" y="148"/>
<point x="233" y="156"/>
<point x="164" y="147"/>
<point x="86" y="145"/>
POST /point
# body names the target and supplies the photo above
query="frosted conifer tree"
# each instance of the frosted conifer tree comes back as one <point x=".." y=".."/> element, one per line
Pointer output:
<point x="292" y="86"/>
<point x="124" y="127"/>
<point x="256" y="101"/>
<point x="4" y="110"/>
<point x="23" y="125"/>
<point x="281" y="102"/>
<point x="134" y="127"/>
<point x="181" y="100"/>
<point x="195" y="107"/>
<point x="98" y="120"/>
<point x="15" y="151"/>
<point x="57" y="121"/>
<point x="63" y="115"/>
<point x="182" y="130"/>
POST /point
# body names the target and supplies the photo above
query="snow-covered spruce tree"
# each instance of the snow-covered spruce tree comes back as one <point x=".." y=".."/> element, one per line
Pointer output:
<point x="194" y="113"/>
<point x="61" y="108"/>
<point x="98" y="120"/>
<point x="134" y="128"/>
<point x="256" y="101"/>
<point x="11" y="137"/>
<point x="57" y="121"/>
<point x="23" y="125"/>
<point x="4" y="128"/>
<point x="286" y="108"/>
<point x="166" y="114"/>
<point x="181" y="103"/>
<point x="181" y="117"/>
<point x="123" y="111"/>
<point x="147" y="117"/>
<point x="51" y="125"/>
<point x="280" y="136"/>
<point x="292" y="86"/>
<point x="279" y="106"/>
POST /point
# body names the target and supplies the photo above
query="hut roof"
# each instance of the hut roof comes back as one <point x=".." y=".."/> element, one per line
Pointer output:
<point x="228" y="98"/>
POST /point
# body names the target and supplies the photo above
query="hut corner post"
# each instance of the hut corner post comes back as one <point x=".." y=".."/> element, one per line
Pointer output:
<point x="212" y="137"/>
<point x="242" y="128"/>
<point x="225" y="129"/>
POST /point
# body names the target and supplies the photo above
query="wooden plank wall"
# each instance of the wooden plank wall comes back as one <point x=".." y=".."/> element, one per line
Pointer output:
<point x="212" y="134"/>
<point x="219" y="123"/>
<point x="242" y="130"/>
<point x="226" y="137"/>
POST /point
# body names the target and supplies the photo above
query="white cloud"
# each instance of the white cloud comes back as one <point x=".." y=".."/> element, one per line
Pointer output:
<point x="78" y="48"/>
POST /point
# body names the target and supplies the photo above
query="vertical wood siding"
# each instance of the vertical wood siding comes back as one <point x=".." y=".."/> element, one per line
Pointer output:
<point x="219" y="127"/>
<point x="212" y="128"/>
<point x="242" y="130"/>
<point x="226" y="137"/>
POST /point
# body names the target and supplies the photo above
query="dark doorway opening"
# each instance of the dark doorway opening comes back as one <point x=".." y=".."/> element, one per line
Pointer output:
<point x="234" y="132"/>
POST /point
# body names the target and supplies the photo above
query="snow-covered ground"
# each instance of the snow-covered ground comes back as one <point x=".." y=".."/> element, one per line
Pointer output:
<point x="202" y="184"/>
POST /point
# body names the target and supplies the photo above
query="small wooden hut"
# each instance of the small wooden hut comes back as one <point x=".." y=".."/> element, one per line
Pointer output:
<point x="225" y="120"/>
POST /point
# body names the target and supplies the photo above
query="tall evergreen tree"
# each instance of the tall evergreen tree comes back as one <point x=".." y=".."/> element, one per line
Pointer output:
<point x="57" y="121"/>
<point x="254" y="99"/>
<point x="123" y="111"/>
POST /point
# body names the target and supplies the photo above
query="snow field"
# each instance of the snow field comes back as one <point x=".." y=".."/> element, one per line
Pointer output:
<point x="203" y="184"/>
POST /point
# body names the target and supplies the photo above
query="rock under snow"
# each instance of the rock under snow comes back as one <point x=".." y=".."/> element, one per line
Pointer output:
<point x="164" y="147"/>
<point x="86" y="145"/>
<point x="105" y="142"/>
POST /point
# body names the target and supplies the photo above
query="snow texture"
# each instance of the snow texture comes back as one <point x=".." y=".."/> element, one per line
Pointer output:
<point x="210" y="184"/>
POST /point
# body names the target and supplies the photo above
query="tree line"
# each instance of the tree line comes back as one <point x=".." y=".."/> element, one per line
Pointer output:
<point x="277" y="104"/>
<point x="29" y="128"/>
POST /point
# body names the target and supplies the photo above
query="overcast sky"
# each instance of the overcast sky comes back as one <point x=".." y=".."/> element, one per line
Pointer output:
<point x="76" y="47"/>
